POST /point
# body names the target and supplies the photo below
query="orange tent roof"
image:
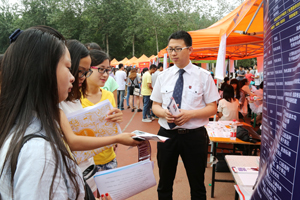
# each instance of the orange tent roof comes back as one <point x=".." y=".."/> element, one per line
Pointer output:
<point x="153" y="57"/>
<point x="143" y="58"/>
<point x="243" y="41"/>
<point x="131" y="61"/>
<point x="123" y="61"/>
<point x="114" y="62"/>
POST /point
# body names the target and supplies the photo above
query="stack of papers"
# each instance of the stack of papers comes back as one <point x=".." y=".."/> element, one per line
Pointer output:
<point x="148" y="136"/>
<point x="219" y="128"/>
<point x="124" y="182"/>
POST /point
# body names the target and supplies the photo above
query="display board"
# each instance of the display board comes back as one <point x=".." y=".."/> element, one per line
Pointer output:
<point x="279" y="176"/>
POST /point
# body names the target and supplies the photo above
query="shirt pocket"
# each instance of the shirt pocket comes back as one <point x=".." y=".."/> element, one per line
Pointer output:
<point x="194" y="97"/>
<point x="167" y="93"/>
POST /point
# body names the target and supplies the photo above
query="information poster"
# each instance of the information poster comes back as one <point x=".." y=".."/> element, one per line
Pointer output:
<point x="279" y="176"/>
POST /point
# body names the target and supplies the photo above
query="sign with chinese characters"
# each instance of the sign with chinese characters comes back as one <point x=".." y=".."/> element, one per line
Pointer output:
<point x="280" y="159"/>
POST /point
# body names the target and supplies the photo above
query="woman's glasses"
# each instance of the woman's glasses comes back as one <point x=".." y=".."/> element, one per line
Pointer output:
<point x="82" y="73"/>
<point x="102" y="70"/>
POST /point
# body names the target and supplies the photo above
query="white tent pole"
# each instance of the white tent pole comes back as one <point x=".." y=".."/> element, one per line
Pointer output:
<point x="254" y="17"/>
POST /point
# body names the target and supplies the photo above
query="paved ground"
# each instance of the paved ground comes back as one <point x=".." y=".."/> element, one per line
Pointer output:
<point x="133" y="121"/>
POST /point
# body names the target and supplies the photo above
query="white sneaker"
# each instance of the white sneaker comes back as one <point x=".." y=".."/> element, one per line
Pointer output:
<point x="152" y="118"/>
<point x="146" y="120"/>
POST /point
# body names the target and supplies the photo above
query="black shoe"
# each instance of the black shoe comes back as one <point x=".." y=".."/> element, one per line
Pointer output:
<point x="140" y="110"/>
<point x="132" y="110"/>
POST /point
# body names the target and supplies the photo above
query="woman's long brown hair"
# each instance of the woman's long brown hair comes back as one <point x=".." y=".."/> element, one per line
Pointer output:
<point x="132" y="75"/>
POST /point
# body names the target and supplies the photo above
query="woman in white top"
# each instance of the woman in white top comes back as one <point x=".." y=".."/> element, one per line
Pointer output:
<point x="228" y="107"/>
<point x="35" y="78"/>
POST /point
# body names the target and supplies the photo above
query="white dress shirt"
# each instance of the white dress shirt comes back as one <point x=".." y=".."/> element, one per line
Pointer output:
<point x="120" y="77"/>
<point x="199" y="89"/>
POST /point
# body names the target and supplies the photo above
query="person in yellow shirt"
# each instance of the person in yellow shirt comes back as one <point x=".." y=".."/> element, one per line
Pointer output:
<point x="146" y="92"/>
<point x="94" y="94"/>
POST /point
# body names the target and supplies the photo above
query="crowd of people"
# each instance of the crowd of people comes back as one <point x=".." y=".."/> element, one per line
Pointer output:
<point x="136" y="85"/>
<point x="44" y="77"/>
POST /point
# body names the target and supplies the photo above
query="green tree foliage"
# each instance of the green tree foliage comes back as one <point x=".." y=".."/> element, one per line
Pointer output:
<point x="121" y="27"/>
<point x="246" y="63"/>
<point x="7" y="20"/>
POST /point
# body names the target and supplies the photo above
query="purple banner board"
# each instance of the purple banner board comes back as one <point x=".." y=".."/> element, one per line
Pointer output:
<point x="279" y="176"/>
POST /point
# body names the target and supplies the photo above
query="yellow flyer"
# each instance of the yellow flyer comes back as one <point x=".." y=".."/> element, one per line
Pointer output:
<point x="90" y="121"/>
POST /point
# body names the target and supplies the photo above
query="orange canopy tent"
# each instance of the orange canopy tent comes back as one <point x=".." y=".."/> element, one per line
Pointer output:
<point x="123" y="61"/>
<point x="131" y="61"/>
<point x="114" y="62"/>
<point x="244" y="31"/>
<point x="143" y="58"/>
<point x="143" y="61"/>
<point x="152" y="58"/>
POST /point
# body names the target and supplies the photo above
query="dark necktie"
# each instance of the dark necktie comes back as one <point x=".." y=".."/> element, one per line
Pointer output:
<point x="177" y="93"/>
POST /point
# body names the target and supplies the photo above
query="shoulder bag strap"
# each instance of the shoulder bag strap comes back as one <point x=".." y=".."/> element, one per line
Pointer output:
<point x="132" y="83"/>
<point x="89" y="172"/>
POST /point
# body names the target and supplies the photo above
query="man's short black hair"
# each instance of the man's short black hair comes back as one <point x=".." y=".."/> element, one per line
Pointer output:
<point x="182" y="35"/>
<point x="120" y="65"/>
<point x="152" y="66"/>
<point x="160" y="65"/>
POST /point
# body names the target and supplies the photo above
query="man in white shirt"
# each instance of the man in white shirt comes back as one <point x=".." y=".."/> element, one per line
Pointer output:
<point x="197" y="103"/>
<point x="121" y="80"/>
<point x="160" y="68"/>
<point x="256" y="77"/>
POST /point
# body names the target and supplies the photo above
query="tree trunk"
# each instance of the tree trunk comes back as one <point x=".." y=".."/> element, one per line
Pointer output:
<point x="107" y="45"/>
<point x="133" y="46"/>
<point x="157" y="50"/>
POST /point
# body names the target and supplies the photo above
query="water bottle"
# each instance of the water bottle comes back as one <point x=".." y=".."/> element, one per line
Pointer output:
<point x="233" y="130"/>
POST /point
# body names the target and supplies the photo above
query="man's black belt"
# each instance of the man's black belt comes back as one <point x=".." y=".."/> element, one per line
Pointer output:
<point x="184" y="131"/>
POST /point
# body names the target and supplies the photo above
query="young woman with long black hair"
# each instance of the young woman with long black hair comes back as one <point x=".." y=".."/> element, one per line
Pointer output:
<point x="35" y="78"/>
